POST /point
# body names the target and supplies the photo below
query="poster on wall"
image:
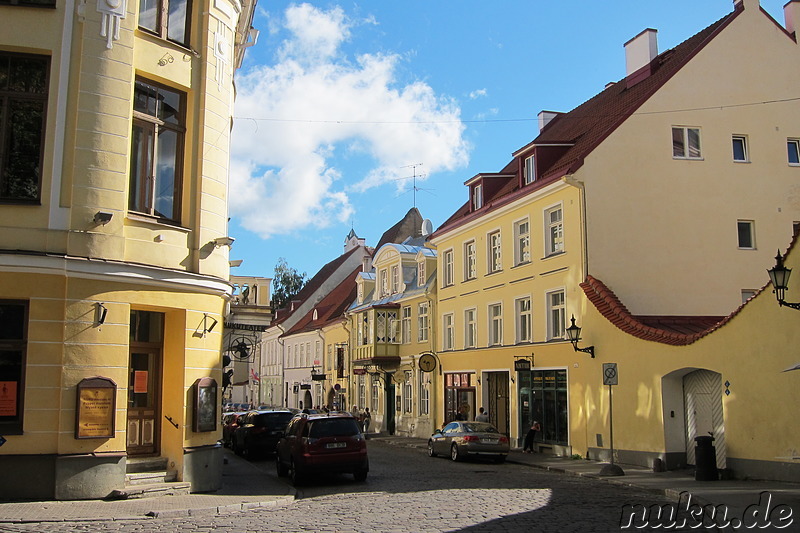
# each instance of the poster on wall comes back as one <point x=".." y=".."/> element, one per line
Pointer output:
<point x="96" y="400"/>
<point x="205" y="405"/>
<point x="139" y="381"/>
<point x="8" y="398"/>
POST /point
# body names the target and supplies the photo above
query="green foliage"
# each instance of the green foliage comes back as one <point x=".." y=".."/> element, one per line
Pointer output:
<point x="576" y="456"/>
<point x="286" y="283"/>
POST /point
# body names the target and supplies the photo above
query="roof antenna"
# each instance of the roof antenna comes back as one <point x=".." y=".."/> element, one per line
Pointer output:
<point x="414" y="178"/>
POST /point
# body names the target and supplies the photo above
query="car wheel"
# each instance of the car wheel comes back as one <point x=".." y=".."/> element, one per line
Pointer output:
<point x="500" y="459"/>
<point x="454" y="453"/>
<point x="360" y="475"/>
<point x="431" y="453"/>
<point x="280" y="468"/>
<point x="294" y="475"/>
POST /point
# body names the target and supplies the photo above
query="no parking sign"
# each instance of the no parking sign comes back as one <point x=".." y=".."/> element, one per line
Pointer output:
<point x="609" y="373"/>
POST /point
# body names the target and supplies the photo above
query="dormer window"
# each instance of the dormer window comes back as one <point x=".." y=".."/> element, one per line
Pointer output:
<point x="529" y="172"/>
<point x="395" y="279"/>
<point x="477" y="197"/>
<point x="360" y="293"/>
<point x="384" y="282"/>
<point x="421" y="278"/>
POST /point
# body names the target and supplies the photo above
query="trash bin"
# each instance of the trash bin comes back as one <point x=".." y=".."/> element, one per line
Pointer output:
<point x="705" y="459"/>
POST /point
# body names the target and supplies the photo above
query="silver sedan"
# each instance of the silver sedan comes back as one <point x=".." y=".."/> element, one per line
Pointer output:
<point x="462" y="439"/>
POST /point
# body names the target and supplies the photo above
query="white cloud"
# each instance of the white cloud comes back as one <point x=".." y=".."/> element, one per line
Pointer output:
<point x="477" y="94"/>
<point x="294" y="115"/>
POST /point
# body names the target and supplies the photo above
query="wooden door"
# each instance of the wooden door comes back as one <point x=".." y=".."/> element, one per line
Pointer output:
<point x="144" y="385"/>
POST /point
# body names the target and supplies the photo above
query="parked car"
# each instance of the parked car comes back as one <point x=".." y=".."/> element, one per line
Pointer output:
<point x="322" y="443"/>
<point x="230" y="421"/>
<point x="259" y="431"/>
<point x="467" y="438"/>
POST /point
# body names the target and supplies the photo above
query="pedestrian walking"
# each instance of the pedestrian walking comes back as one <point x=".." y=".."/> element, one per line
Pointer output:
<point x="483" y="416"/>
<point x="528" y="445"/>
<point x="367" y="419"/>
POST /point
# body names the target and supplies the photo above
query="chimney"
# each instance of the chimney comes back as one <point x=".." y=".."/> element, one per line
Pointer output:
<point x="791" y="13"/>
<point x="640" y="51"/>
<point x="546" y="116"/>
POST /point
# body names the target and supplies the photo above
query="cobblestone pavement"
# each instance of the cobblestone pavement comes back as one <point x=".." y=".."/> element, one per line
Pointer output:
<point x="408" y="491"/>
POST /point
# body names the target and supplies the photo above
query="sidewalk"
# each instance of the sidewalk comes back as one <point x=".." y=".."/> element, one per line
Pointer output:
<point x="243" y="487"/>
<point x="735" y="495"/>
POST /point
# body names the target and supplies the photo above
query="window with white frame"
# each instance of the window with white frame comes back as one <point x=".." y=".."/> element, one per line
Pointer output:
<point x="554" y="230"/>
<point x="421" y="276"/>
<point x="746" y="233"/>
<point x="793" y="151"/>
<point x="470" y="329"/>
<point x="495" y="324"/>
<point x="395" y="279"/>
<point x="524" y="323"/>
<point x="556" y="314"/>
<point x="308" y="354"/>
<point x="447" y="331"/>
<point x="362" y="391"/>
<point x="302" y="355"/>
<point x="384" y="279"/>
<point x="424" y="394"/>
<point x="477" y="197"/>
<point x="406" y="324"/>
<point x="447" y="268"/>
<point x="522" y="239"/>
<point x="495" y="252"/>
<point x="739" y="144"/>
<point x="360" y="292"/>
<point x="422" y="322"/>
<point x="530" y="170"/>
<point x="367" y="330"/>
<point x="375" y="394"/>
<point x="686" y="143"/>
<point x="470" y="261"/>
<point x="386" y="326"/>
<point x="408" y="393"/>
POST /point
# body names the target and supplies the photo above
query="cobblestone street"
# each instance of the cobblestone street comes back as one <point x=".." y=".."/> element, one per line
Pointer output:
<point x="408" y="491"/>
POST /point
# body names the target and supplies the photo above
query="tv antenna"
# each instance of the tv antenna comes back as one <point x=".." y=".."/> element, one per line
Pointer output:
<point x="413" y="177"/>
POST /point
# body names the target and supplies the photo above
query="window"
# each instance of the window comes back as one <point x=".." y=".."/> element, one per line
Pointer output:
<point x="375" y="394"/>
<point x="156" y="151"/>
<point x="554" y="231"/>
<point x="529" y="173"/>
<point x="421" y="276"/>
<point x="747" y="294"/>
<point x="740" y="148"/>
<point x="470" y="329"/>
<point x="384" y="274"/>
<point x="793" y="149"/>
<point x="422" y="322"/>
<point x="477" y="197"/>
<point x="495" y="259"/>
<point x="424" y="394"/>
<point x="447" y="332"/>
<point x="169" y="19"/>
<point x="447" y="268"/>
<point x="23" y="101"/>
<point x="746" y="230"/>
<point x="386" y="326"/>
<point x="406" y="325"/>
<point x="13" y="343"/>
<point x="362" y="391"/>
<point x="395" y="279"/>
<point x="495" y="324"/>
<point x="470" y="262"/>
<point x="556" y="315"/>
<point x="522" y="238"/>
<point x="686" y="143"/>
<point x="523" y="306"/>
<point x="407" y="393"/>
<point x="360" y="292"/>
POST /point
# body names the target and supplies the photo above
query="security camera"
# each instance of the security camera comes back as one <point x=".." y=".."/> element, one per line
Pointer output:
<point x="223" y="241"/>
<point x="102" y="218"/>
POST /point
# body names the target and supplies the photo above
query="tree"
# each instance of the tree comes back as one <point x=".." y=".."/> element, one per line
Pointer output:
<point x="286" y="283"/>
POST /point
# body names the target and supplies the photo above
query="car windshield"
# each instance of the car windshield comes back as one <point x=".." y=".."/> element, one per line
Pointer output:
<point x="477" y="427"/>
<point x="333" y="427"/>
<point x="272" y="420"/>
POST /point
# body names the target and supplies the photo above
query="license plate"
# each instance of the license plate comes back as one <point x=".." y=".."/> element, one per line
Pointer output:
<point x="336" y="445"/>
<point x="488" y="441"/>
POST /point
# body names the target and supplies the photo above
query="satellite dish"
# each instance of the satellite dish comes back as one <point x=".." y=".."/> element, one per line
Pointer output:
<point x="427" y="227"/>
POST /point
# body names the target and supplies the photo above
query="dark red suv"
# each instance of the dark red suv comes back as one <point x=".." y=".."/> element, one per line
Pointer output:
<point x="322" y="443"/>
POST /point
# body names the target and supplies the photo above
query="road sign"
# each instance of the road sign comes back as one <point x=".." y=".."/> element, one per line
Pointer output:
<point x="609" y="373"/>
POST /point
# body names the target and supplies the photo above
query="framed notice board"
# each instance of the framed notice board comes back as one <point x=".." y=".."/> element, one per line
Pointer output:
<point x="204" y="392"/>
<point x="95" y="409"/>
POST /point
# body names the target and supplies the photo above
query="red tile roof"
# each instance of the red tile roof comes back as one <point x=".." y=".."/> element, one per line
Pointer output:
<point x="330" y="308"/>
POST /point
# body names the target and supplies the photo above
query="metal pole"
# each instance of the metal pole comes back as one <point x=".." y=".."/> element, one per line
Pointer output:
<point x="611" y="422"/>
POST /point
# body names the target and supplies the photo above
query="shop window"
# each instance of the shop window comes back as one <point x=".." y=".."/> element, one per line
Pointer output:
<point x="13" y="344"/>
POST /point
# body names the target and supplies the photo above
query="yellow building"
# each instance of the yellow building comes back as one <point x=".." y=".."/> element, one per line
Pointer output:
<point x="690" y="160"/>
<point x="113" y="231"/>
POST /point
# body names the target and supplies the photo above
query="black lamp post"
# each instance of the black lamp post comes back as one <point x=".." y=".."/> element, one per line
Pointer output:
<point x="574" y="335"/>
<point x="779" y="275"/>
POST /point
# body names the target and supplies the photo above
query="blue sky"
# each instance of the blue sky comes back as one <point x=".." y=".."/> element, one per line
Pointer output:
<point x="338" y="100"/>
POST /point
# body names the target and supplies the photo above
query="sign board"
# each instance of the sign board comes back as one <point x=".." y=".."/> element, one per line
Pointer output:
<point x="522" y="365"/>
<point x="610" y="374"/>
<point x="318" y="377"/>
<point x="204" y="391"/>
<point x="8" y="398"/>
<point x="96" y="400"/>
<point x="305" y="386"/>
<point x="359" y="371"/>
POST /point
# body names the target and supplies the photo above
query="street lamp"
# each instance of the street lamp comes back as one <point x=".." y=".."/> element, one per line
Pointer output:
<point x="574" y="335"/>
<point x="779" y="275"/>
